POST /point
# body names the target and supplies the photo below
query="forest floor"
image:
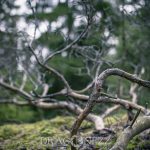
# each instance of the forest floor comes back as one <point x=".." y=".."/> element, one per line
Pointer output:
<point x="53" y="134"/>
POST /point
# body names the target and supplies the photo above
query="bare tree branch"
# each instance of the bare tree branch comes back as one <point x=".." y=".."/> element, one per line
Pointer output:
<point x="71" y="107"/>
<point x="132" y="92"/>
<point x="100" y="99"/>
<point x="110" y="110"/>
<point x="126" y="104"/>
<point x="45" y="89"/>
<point x="74" y="108"/>
<point x="140" y="125"/>
<point x="48" y="68"/>
<point x="14" y="101"/>
<point x="15" y="90"/>
<point x="24" y="80"/>
<point x="68" y="46"/>
<point x="134" y="86"/>
<point x="96" y="93"/>
<point x="118" y="72"/>
<point x="89" y="12"/>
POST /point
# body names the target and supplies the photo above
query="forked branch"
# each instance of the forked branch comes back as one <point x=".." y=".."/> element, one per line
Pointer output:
<point x="97" y="89"/>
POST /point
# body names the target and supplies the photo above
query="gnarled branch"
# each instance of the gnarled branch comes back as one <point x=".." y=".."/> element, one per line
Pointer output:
<point x="118" y="72"/>
<point x="97" y="89"/>
<point x="142" y="124"/>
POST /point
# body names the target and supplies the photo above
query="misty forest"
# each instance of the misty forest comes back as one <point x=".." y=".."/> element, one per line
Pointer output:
<point x="74" y="74"/>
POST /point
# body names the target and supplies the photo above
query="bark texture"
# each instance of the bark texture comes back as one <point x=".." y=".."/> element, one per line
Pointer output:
<point x="142" y="124"/>
<point x="96" y="93"/>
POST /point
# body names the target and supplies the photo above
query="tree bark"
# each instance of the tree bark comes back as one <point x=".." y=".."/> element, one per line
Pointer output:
<point x="96" y="94"/>
<point x="142" y="124"/>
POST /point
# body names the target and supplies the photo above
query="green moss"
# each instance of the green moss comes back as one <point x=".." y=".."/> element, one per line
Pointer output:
<point x="105" y="145"/>
<point x="116" y="118"/>
<point x="30" y="136"/>
<point x="137" y="142"/>
<point x="36" y="135"/>
<point x="133" y="143"/>
<point x="144" y="145"/>
<point x="7" y="132"/>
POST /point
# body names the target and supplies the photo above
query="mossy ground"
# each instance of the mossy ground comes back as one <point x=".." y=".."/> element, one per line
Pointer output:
<point x="37" y="135"/>
<point x="34" y="135"/>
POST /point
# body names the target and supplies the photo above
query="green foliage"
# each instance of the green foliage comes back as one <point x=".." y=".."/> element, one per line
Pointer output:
<point x="51" y="40"/>
<point x="17" y="114"/>
<point x="60" y="10"/>
<point x="70" y="67"/>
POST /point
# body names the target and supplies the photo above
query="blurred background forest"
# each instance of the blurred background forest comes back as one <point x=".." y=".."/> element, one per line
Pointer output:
<point x="118" y="36"/>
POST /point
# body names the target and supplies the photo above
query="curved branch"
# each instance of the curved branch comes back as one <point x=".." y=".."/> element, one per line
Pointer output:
<point x="74" y="108"/>
<point x="110" y="110"/>
<point x="106" y="99"/>
<point x="118" y="72"/>
<point x="96" y="93"/>
<point x="71" y="107"/>
<point x="15" y="90"/>
<point x="122" y="102"/>
<point x="68" y="46"/>
<point x="48" y="68"/>
<point x="14" y="101"/>
<point x="142" y="124"/>
<point x="86" y="88"/>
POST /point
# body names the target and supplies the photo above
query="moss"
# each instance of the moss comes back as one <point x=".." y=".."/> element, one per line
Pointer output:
<point x="138" y="143"/>
<point x="117" y="118"/>
<point x="7" y="132"/>
<point x="144" y="145"/>
<point x="37" y="135"/>
<point x="133" y="143"/>
<point x="30" y="135"/>
<point x="105" y="145"/>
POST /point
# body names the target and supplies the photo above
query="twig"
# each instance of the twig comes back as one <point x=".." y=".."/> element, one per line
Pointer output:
<point x="68" y="46"/>
<point x="137" y="114"/>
